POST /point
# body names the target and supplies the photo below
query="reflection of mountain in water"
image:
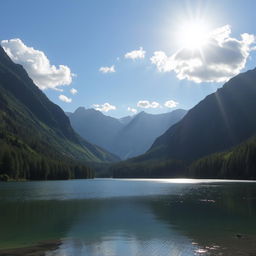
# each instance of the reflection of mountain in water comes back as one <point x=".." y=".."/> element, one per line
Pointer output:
<point x="96" y="224"/>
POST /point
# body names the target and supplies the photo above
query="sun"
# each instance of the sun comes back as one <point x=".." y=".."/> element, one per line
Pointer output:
<point x="193" y="35"/>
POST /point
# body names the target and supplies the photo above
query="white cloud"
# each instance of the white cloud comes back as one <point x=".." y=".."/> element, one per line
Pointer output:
<point x="133" y="110"/>
<point x="73" y="91"/>
<point x="104" y="107"/>
<point x="65" y="98"/>
<point x="38" y="66"/>
<point x="147" y="104"/>
<point x="136" y="54"/>
<point x="107" y="69"/>
<point x="221" y="58"/>
<point x="171" y="104"/>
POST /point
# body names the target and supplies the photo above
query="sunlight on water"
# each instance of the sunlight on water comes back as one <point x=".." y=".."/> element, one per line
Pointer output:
<point x="188" y="181"/>
<point x="107" y="217"/>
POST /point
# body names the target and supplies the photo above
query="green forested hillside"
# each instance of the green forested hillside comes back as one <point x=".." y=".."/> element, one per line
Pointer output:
<point x="36" y="138"/>
<point x="238" y="163"/>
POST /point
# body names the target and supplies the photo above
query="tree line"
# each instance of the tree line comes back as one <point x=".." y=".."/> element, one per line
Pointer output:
<point x="237" y="163"/>
<point x="21" y="164"/>
<point x="149" y="169"/>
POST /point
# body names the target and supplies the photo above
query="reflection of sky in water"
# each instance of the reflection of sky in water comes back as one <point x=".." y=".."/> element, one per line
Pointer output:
<point x="124" y="217"/>
<point x="85" y="189"/>
<point x="123" y="228"/>
<point x="98" y="188"/>
<point x="125" y="247"/>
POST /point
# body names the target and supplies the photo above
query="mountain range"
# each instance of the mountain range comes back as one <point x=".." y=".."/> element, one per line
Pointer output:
<point x="126" y="137"/>
<point x="215" y="139"/>
<point x="35" y="133"/>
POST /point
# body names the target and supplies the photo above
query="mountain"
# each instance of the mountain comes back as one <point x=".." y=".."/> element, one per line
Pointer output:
<point x="95" y="127"/>
<point x="222" y="120"/>
<point x="35" y="131"/>
<point x="125" y="137"/>
<point x="68" y="113"/>
<point x="126" y="119"/>
<point x="139" y="134"/>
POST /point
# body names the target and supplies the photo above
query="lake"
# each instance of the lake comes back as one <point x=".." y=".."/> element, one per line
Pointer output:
<point x="113" y="217"/>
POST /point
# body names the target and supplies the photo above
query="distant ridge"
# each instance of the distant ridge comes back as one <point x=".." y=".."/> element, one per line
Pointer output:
<point x="95" y="127"/>
<point x="125" y="137"/>
<point x="139" y="134"/>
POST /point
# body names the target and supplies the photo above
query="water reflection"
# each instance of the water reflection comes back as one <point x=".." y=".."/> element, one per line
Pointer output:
<point x="183" y="219"/>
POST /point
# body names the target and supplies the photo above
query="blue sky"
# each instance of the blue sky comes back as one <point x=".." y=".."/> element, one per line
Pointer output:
<point x="87" y="35"/>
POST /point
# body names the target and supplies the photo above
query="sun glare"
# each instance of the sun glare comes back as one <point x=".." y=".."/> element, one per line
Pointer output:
<point x="193" y="35"/>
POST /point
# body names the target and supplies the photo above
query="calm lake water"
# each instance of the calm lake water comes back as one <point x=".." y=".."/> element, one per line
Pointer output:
<point x="105" y="217"/>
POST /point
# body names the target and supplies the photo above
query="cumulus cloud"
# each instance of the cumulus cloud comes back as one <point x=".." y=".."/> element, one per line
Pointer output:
<point x="73" y="91"/>
<point x="171" y="104"/>
<point x="104" y="107"/>
<point x="107" y="69"/>
<point x="133" y="110"/>
<point x="38" y="66"/>
<point x="147" y="104"/>
<point x="220" y="58"/>
<point x="136" y="54"/>
<point x="65" y="98"/>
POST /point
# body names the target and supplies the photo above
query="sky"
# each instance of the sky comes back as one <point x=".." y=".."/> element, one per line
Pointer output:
<point x="126" y="56"/>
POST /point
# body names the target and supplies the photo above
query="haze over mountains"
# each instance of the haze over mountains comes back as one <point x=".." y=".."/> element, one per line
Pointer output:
<point x="34" y="132"/>
<point x="126" y="137"/>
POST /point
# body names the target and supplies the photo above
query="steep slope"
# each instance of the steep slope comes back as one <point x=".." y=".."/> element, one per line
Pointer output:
<point x="219" y="122"/>
<point x="30" y="122"/>
<point x="237" y="163"/>
<point x="95" y="127"/>
<point x="126" y="119"/>
<point x="139" y="134"/>
<point x="126" y="137"/>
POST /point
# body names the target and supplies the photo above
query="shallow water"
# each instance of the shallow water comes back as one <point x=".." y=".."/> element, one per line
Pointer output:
<point x="105" y="217"/>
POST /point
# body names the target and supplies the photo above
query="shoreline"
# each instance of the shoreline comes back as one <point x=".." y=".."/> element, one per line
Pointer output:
<point x="34" y="250"/>
<point x="174" y="180"/>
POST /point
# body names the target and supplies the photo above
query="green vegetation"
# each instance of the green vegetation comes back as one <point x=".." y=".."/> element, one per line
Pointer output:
<point x="238" y="163"/>
<point x="19" y="162"/>
<point x="27" y="153"/>
<point x="149" y="169"/>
